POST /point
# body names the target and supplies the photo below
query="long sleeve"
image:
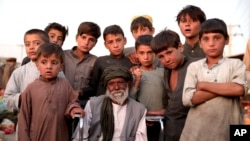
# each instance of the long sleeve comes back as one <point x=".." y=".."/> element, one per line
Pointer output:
<point x="141" y="133"/>
<point x="12" y="92"/>
<point x="73" y="100"/>
<point x="189" y="85"/>
<point x="24" y="118"/>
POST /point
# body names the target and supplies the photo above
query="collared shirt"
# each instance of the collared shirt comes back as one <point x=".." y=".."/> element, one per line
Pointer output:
<point x="77" y="71"/>
<point x="216" y="113"/>
<point x="195" y="51"/>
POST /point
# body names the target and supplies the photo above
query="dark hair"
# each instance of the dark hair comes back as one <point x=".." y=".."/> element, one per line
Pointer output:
<point x="48" y="49"/>
<point x="140" y="22"/>
<point x="165" y="39"/>
<point x="89" y="28"/>
<point x="143" y="40"/>
<point x="44" y="36"/>
<point x="214" y="26"/>
<point x="112" y="29"/>
<point x="193" y="11"/>
<point x="58" y="27"/>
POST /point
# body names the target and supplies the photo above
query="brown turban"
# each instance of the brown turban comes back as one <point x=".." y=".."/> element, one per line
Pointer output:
<point x="114" y="72"/>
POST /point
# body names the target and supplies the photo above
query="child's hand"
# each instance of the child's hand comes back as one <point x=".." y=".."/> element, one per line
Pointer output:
<point x="133" y="58"/>
<point x="138" y="73"/>
<point x="77" y="111"/>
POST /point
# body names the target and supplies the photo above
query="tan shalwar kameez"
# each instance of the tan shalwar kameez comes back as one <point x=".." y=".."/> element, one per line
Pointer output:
<point x="44" y="109"/>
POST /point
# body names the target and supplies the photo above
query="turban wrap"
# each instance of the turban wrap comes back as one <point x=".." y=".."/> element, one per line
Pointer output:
<point x="114" y="72"/>
<point x="106" y="115"/>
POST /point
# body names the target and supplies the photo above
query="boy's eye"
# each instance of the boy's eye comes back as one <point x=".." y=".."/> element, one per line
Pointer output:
<point x="37" y="43"/>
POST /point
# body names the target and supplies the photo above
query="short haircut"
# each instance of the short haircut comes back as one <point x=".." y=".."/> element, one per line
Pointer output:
<point x="141" y="21"/>
<point x="214" y="26"/>
<point x="58" y="27"/>
<point x="89" y="28"/>
<point x="165" y="39"/>
<point x="44" y="36"/>
<point x="143" y="40"/>
<point x="112" y="29"/>
<point x="193" y="11"/>
<point x="47" y="49"/>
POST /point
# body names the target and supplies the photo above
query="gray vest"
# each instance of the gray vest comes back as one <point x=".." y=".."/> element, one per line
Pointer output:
<point x="135" y="112"/>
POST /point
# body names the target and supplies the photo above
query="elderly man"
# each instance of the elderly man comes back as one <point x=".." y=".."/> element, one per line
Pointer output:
<point x="114" y="116"/>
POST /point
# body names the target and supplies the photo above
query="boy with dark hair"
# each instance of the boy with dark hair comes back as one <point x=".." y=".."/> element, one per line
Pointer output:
<point x="79" y="62"/>
<point x="148" y="86"/>
<point x="213" y="87"/>
<point x="114" y="41"/>
<point x="189" y="20"/>
<point x="57" y="33"/>
<point x="168" y="48"/>
<point x="48" y="100"/>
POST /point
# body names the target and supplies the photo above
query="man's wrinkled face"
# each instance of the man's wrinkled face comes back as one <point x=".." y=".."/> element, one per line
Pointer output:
<point x="117" y="90"/>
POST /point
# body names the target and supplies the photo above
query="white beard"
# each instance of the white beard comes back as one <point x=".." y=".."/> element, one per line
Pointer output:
<point x="118" y="96"/>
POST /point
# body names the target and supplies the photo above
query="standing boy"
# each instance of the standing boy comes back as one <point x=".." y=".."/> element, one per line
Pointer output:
<point x="168" y="48"/>
<point x="114" y="41"/>
<point x="79" y="62"/>
<point x="48" y="100"/>
<point x="213" y="87"/>
<point x="189" y="20"/>
<point x="149" y="88"/>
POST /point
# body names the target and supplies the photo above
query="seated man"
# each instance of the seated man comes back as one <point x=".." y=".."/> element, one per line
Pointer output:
<point x="114" y="116"/>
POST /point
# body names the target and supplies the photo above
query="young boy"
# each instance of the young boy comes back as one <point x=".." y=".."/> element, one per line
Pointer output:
<point x="149" y="84"/>
<point x="79" y="61"/>
<point x="47" y="100"/>
<point x="213" y="87"/>
<point x="114" y="40"/>
<point x="57" y="34"/>
<point x="140" y="25"/>
<point x="189" y="20"/>
<point x="168" y="48"/>
<point x="25" y="74"/>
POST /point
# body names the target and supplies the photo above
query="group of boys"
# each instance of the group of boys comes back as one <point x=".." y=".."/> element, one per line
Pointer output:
<point x="190" y="84"/>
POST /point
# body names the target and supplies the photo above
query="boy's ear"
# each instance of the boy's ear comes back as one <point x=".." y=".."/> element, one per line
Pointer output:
<point x="227" y="41"/>
<point x="153" y="31"/>
<point x="180" y="47"/>
<point x="125" y="40"/>
<point x="62" y="67"/>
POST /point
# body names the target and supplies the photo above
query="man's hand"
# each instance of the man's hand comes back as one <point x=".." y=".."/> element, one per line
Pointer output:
<point x="77" y="111"/>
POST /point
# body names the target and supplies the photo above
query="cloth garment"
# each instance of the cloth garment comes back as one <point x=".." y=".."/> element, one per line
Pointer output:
<point x="130" y="122"/>
<point x="210" y="121"/>
<point x="77" y="71"/>
<point x="195" y="51"/>
<point x="44" y="109"/>
<point x="19" y="80"/>
<point x="151" y="89"/>
<point x="176" y="112"/>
